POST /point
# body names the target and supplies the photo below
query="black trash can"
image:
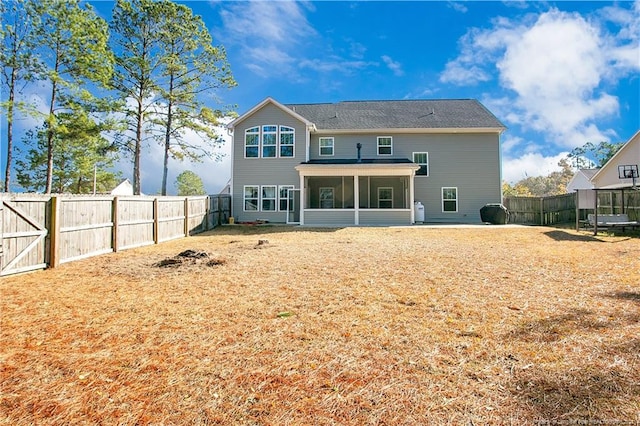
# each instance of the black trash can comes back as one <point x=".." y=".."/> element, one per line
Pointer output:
<point x="496" y="214"/>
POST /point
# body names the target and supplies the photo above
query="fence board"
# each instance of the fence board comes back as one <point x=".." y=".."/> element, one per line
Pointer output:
<point x="82" y="226"/>
<point x="541" y="210"/>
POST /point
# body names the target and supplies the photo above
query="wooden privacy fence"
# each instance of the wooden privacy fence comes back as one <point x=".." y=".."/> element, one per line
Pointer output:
<point x="43" y="230"/>
<point x="541" y="210"/>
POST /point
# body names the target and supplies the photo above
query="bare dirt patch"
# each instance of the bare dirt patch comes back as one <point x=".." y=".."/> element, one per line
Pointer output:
<point x="330" y="326"/>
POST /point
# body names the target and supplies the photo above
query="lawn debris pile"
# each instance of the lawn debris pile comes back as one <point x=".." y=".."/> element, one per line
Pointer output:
<point x="189" y="257"/>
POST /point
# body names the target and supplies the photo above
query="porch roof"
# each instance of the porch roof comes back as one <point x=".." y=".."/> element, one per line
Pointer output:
<point x="361" y="161"/>
<point x="353" y="167"/>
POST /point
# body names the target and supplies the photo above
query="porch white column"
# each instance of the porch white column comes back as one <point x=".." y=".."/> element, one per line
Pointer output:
<point x="302" y="198"/>
<point x="411" y="196"/>
<point x="356" y="199"/>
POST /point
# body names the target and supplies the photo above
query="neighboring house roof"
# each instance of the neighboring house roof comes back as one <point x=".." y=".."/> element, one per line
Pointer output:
<point x="123" y="188"/>
<point x="405" y="114"/>
<point x="607" y="176"/>
<point x="581" y="180"/>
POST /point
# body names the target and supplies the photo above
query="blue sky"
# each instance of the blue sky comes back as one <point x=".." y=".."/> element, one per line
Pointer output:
<point x="557" y="74"/>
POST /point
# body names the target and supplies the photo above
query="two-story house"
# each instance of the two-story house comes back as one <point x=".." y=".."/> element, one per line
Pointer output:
<point x="365" y="162"/>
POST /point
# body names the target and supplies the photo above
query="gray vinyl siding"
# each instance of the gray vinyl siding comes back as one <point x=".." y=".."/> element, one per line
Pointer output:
<point x="381" y="217"/>
<point x="265" y="171"/>
<point x="329" y="217"/>
<point x="470" y="162"/>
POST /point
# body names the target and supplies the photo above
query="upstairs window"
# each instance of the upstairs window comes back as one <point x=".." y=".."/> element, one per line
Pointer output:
<point x="421" y="159"/>
<point x="252" y="142"/>
<point x="287" y="140"/>
<point x="385" y="145"/>
<point x="450" y="199"/>
<point x="326" y="146"/>
<point x="269" y="141"/>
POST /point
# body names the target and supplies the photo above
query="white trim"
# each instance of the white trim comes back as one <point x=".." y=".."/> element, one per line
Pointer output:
<point x="384" y="146"/>
<point x="413" y="158"/>
<point x="263" y="133"/>
<point x="280" y="145"/>
<point x="244" y="141"/>
<point x="417" y="130"/>
<point x="272" y="101"/>
<point x="333" y="197"/>
<point x="244" y="198"/>
<point x="333" y="146"/>
<point x="457" y="199"/>
<point x="385" y="199"/>
<point x="285" y="198"/>
<point x="274" y="198"/>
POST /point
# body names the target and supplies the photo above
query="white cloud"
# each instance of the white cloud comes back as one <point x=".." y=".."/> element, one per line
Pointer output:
<point x="394" y="66"/>
<point x="278" y="48"/>
<point x="556" y="67"/>
<point x="529" y="165"/>
<point x="271" y="43"/>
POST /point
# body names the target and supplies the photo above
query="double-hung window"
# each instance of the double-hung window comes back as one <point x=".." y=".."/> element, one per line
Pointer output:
<point x="269" y="141"/>
<point x="283" y="197"/>
<point x="450" y="199"/>
<point x="251" y="197"/>
<point x="421" y="159"/>
<point x="287" y="140"/>
<point x="326" y="146"/>
<point x="385" y="198"/>
<point x="252" y="142"/>
<point x="385" y="145"/>
<point x="269" y="198"/>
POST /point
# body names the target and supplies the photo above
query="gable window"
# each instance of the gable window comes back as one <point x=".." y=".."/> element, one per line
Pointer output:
<point x="268" y="198"/>
<point x="326" y="146"/>
<point x="287" y="139"/>
<point x="421" y="159"/>
<point x="385" y="198"/>
<point x="251" y="193"/>
<point x="252" y="142"/>
<point x="449" y="199"/>
<point x="283" y="197"/>
<point x="385" y="145"/>
<point x="269" y="141"/>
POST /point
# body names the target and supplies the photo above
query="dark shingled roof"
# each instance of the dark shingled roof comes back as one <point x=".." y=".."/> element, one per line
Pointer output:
<point x="407" y="114"/>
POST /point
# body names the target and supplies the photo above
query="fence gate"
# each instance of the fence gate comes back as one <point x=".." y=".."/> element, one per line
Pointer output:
<point x="23" y="240"/>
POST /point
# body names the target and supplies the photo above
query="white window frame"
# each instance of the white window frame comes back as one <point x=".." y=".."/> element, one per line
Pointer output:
<point x="286" y="130"/>
<point x="456" y="200"/>
<point x="283" y="196"/>
<point x="251" y="132"/>
<point x="274" y="145"/>
<point x="326" y="138"/>
<point x="245" y="198"/>
<point x="264" y="198"/>
<point x="333" y="196"/>
<point x="385" y="188"/>
<point x="421" y="164"/>
<point x="390" y="146"/>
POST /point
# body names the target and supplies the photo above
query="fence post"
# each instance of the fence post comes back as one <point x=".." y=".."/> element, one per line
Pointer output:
<point x="186" y="216"/>
<point x="114" y="220"/>
<point x="54" y="233"/>
<point x="542" y="211"/>
<point x="156" y="227"/>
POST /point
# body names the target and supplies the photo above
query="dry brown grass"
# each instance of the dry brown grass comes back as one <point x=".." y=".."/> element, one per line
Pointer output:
<point x="357" y="326"/>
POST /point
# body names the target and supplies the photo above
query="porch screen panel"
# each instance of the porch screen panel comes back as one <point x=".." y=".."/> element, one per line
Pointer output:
<point x="370" y="186"/>
<point x="340" y="186"/>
